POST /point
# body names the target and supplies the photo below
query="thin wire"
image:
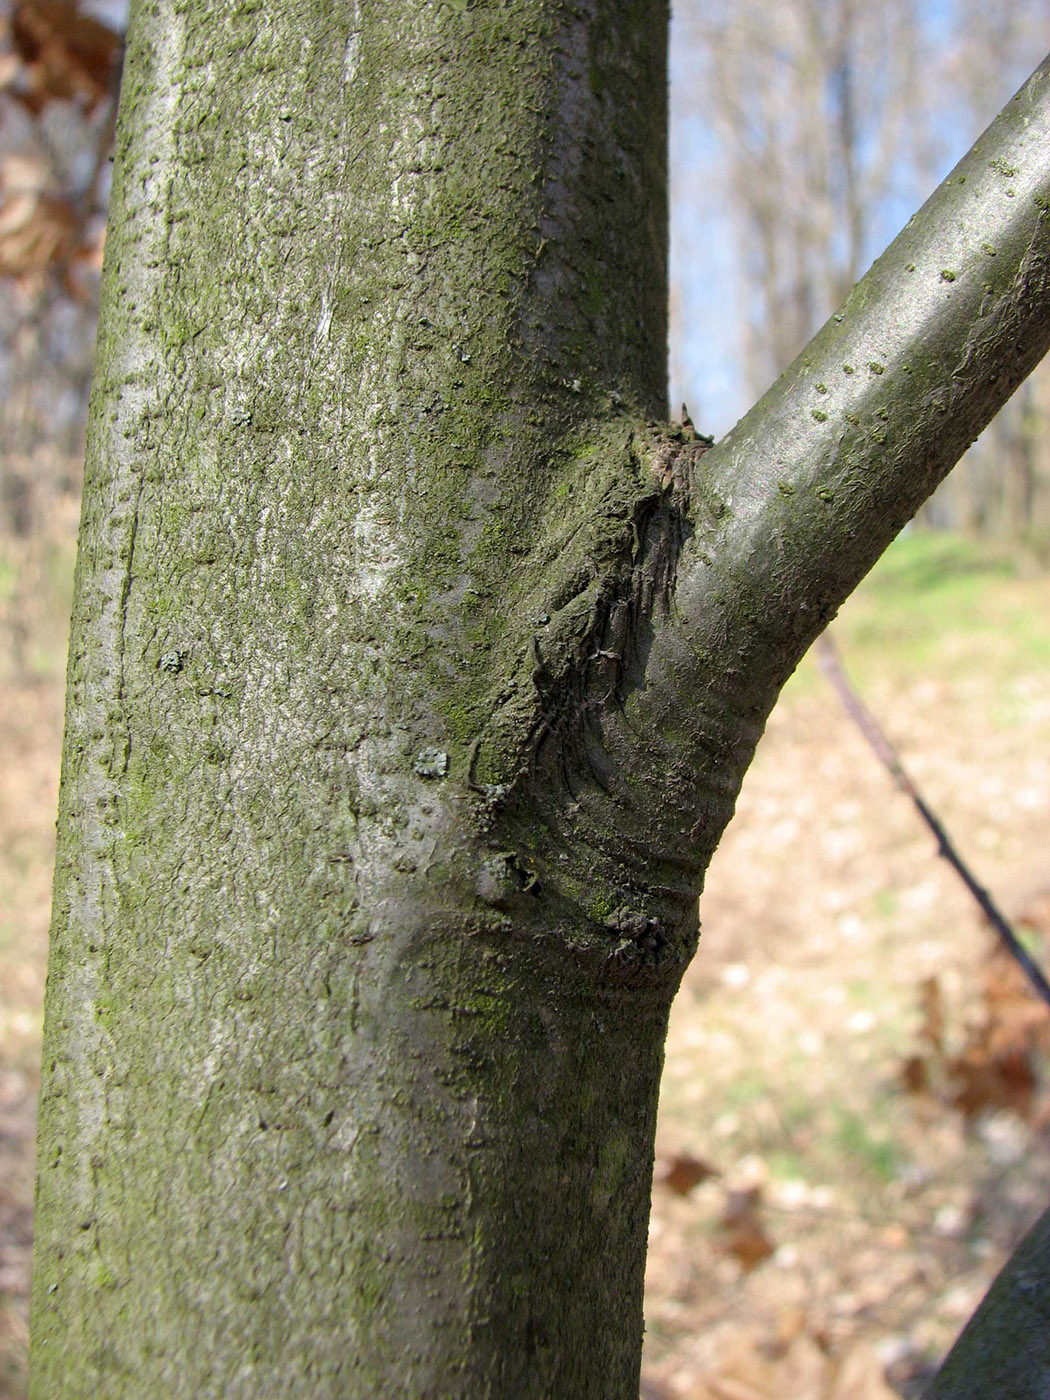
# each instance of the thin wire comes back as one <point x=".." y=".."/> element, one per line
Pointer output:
<point x="830" y="663"/>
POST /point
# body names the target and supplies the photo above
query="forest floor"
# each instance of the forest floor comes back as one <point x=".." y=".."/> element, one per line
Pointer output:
<point x="862" y="1080"/>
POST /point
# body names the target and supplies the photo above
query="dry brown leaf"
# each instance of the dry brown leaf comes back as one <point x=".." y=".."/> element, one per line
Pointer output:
<point x="932" y="1028"/>
<point x="746" y="1372"/>
<point x="743" y="1233"/>
<point x="996" y="1067"/>
<point x="26" y="173"/>
<point x="90" y="250"/>
<point x="1016" y="1019"/>
<point x="915" y="1075"/>
<point x="10" y="70"/>
<point x="64" y="54"/>
<point x="790" y="1323"/>
<point x="748" y="1244"/>
<point x="653" y="1390"/>
<point x="743" y="1373"/>
<point x="802" y="1371"/>
<point x="36" y="224"/>
<point x="894" y="1236"/>
<point x="980" y="1078"/>
<point x="681" y="1173"/>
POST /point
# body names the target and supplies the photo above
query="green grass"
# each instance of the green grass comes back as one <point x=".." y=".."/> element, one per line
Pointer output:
<point x="747" y="1088"/>
<point x="930" y="593"/>
<point x="865" y="1148"/>
<point x="884" y="903"/>
<point x="786" y="1165"/>
<point x="941" y="605"/>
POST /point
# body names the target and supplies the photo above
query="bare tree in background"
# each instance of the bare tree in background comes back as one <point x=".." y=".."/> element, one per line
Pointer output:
<point x="829" y="115"/>
<point x="1002" y="487"/>
<point x="59" y="71"/>
<point x="812" y="101"/>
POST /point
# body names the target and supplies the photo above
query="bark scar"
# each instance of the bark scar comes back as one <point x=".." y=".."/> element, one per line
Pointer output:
<point x="587" y="665"/>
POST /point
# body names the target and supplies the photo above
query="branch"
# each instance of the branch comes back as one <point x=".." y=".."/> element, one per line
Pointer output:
<point x="805" y="493"/>
<point x="830" y="663"/>
<point x="791" y="510"/>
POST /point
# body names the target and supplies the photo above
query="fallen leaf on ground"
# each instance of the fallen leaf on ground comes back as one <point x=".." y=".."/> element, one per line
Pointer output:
<point x="802" y="1371"/>
<point x="65" y="54"/>
<point x="743" y="1232"/>
<point x="682" y="1172"/>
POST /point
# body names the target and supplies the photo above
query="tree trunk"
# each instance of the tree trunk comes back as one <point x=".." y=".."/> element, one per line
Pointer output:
<point x="414" y="672"/>
<point x="341" y="1098"/>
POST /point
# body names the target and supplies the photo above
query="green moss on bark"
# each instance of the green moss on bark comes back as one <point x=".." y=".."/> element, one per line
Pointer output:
<point x="374" y="278"/>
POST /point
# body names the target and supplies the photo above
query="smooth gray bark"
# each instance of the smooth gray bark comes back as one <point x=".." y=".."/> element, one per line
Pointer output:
<point x="337" y="1101"/>
<point x="1004" y="1350"/>
<point x="414" y="670"/>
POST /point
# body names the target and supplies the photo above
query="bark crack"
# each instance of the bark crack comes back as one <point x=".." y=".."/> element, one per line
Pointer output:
<point x="122" y="605"/>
